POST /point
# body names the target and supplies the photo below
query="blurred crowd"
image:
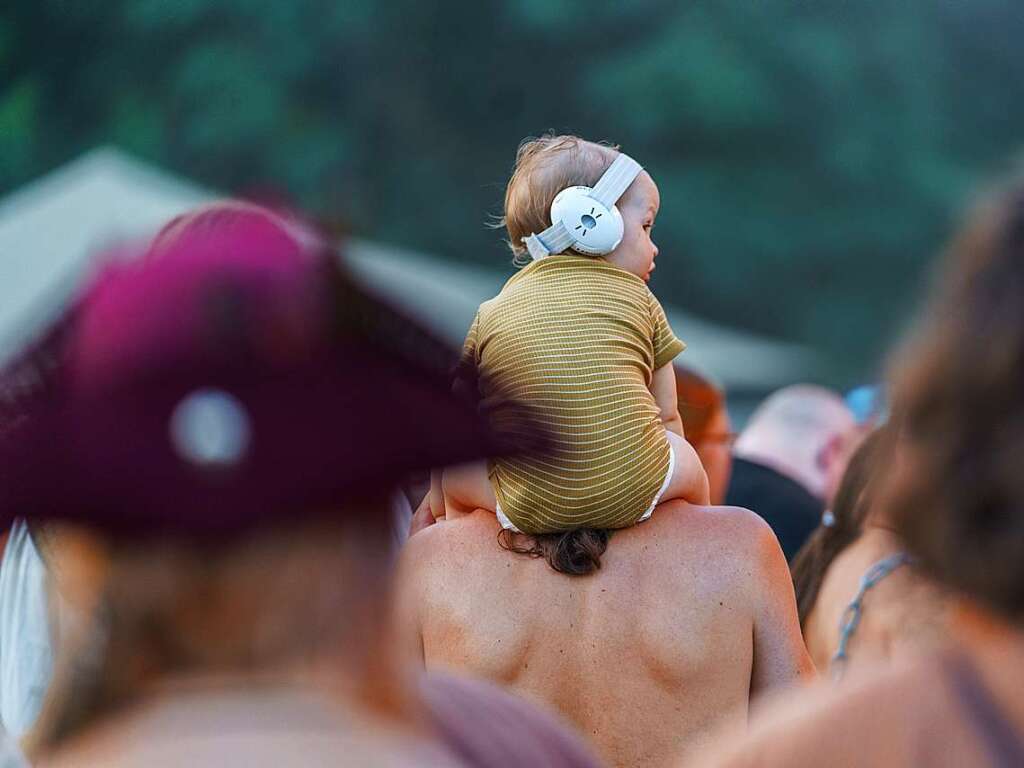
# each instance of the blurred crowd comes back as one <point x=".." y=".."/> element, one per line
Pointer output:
<point x="221" y="547"/>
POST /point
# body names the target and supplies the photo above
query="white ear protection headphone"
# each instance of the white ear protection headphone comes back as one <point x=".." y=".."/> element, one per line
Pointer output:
<point x="586" y="218"/>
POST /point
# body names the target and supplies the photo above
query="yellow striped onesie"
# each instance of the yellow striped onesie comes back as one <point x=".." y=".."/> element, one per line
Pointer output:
<point x="577" y="339"/>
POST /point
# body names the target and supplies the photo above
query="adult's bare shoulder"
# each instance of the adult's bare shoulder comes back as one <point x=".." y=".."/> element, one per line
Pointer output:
<point x="452" y="533"/>
<point x="444" y="550"/>
<point x="737" y="537"/>
<point x="729" y="551"/>
<point x="425" y="568"/>
<point x="477" y="532"/>
<point x="743" y="553"/>
<point x="442" y="572"/>
<point x="753" y="544"/>
<point x="740" y="525"/>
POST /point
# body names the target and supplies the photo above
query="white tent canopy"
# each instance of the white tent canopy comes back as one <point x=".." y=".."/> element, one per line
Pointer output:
<point x="50" y="230"/>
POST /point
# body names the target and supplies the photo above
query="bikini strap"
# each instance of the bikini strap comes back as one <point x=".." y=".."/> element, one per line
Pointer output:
<point x="851" y="616"/>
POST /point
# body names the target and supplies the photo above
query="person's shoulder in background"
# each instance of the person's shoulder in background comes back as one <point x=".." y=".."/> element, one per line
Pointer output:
<point x="885" y="716"/>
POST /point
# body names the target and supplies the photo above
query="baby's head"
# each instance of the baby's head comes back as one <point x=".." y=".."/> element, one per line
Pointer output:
<point x="546" y="166"/>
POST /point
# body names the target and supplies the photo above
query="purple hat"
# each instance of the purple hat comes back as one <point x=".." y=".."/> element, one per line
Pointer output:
<point x="231" y="376"/>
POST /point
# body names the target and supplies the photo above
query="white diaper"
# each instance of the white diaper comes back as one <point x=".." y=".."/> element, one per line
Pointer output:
<point x="507" y="524"/>
<point x="664" y="486"/>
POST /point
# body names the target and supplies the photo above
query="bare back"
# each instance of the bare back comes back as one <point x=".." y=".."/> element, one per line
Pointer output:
<point x="902" y="615"/>
<point x="646" y="656"/>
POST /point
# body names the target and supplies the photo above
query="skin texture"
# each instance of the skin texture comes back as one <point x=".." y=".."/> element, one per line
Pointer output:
<point x="904" y="715"/>
<point x="902" y="616"/>
<point x="639" y="208"/>
<point x="690" y="614"/>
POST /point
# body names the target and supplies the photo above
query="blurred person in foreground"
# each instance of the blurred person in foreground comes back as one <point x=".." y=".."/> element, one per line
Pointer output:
<point x="228" y="417"/>
<point x="957" y="502"/>
<point x="788" y="460"/>
<point x="26" y="650"/>
<point x="34" y="613"/>
<point x="706" y="426"/>
<point x="861" y="599"/>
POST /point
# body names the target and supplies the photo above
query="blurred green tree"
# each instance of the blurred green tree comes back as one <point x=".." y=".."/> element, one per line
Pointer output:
<point x="810" y="155"/>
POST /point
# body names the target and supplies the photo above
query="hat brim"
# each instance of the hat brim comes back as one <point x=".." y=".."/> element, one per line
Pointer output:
<point x="347" y="421"/>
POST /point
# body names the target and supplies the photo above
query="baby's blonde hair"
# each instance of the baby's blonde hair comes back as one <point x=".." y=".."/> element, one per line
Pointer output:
<point x="544" y="167"/>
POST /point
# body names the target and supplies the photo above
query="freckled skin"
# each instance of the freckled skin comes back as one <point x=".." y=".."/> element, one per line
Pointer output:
<point x="690" y="613"/>
<point x="903" y="615"/>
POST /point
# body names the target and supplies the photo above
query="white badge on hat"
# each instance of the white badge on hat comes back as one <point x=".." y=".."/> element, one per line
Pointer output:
<point x="586" y="218"/>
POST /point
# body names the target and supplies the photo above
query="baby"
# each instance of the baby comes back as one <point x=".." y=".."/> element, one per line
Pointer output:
<point x="583" y="341"/>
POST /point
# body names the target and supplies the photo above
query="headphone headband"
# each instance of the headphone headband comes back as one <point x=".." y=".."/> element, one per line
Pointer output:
<point x="616" y="180"/>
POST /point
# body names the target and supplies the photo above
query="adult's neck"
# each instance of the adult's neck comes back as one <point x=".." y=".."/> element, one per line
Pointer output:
<point x="198" y="710"/>
<point x="797" y="471"/>
<point x="324" y="688"/>
<point x="393" y="700"/>
<point x="880" y="539"/>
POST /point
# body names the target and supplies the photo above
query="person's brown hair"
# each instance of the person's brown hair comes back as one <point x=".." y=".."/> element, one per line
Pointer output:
<point x="278" y="598"/>
<point x="544" y="167"/>
<point x="853" y="501"/>
<point x="957" y="497"/>
<point x="575" y="553"/>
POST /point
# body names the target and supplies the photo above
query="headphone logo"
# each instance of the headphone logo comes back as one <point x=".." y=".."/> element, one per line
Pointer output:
<point x="588" y="221"/>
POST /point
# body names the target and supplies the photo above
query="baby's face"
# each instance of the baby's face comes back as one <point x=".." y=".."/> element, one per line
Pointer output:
<point x="639" y="207"/>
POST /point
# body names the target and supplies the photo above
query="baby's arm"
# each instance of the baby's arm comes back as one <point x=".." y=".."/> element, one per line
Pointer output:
<point x="689" y="480"/>
<point x="663" y="387"/>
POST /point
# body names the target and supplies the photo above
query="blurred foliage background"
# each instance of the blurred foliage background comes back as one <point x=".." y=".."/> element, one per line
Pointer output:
<point x="810" y="155"/>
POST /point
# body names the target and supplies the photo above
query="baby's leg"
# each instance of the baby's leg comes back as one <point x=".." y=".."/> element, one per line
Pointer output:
<point x="689" y="480"/>
<point x="468" y="488"/>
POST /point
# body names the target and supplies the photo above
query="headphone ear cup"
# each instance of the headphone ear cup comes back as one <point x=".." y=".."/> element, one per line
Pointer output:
<point x="609" y="237"/>
<point x="595" y="228"/>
